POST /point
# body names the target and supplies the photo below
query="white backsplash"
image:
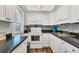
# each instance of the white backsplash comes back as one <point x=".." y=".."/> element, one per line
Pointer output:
<point x="5" y="27"/>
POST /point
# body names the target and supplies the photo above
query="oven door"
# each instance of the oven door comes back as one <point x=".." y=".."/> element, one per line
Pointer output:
<point x="35" y="39"/>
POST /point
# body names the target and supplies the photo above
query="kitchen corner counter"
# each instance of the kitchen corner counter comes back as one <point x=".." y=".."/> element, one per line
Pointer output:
<point x="8" y="45"/>
<point x="70" y="38"/>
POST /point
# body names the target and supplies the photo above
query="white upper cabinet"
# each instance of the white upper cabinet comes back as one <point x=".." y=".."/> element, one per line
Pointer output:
<point x="10" y="12"/>
<point x="58" y="15"/>
<point x="66" y="14"/>
<point x="2" y="11"/>
<point x="7" y="12"/>
<point x="36" y="18"/>
<point x="74" y="13"/>
<point x="61" y="14"/>
<point x="51" y="18"/>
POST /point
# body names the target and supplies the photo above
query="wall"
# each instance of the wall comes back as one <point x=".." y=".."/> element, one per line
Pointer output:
<point x="36" y="18"/>
<point x="5" y="27"/>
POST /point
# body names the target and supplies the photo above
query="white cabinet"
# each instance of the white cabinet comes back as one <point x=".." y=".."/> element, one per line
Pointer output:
<point x="68" y="14"/>
<point x="10" y="12"/>
<point x="7" y="12"/>
<point x="63" y="47"/>
<point x="37" y="18"/>
<point x="59" y="15"/>
<point x="33" y="18"/>
<point x="64" y="50"/>
<point x="22" y="48"/>
<point x="46" y="40"/>
<point x="74" y="13"/>
<point x="51" y="19"/>
<point x="60" y="46"/>
<point x="55" y="44"/>
<point x="2" y="11"/>
<point x="70" y="47"/>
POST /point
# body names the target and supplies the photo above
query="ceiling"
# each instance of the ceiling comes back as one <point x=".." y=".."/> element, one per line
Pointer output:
<point x="38" y="7"/>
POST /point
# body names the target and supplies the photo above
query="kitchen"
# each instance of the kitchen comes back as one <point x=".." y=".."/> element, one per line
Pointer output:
<point x="39" y="29"/>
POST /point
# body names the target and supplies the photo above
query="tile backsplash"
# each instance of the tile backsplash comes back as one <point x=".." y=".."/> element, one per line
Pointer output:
<point x="69" y="27"/>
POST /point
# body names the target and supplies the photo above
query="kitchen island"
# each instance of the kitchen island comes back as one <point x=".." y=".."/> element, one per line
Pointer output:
<point x="8" y="45"/>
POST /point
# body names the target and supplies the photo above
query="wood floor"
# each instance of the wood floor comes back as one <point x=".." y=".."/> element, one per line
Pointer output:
<point x="40" y="50"/>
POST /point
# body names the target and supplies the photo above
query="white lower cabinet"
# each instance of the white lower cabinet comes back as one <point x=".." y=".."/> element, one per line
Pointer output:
<point x="22" y="48"/>
<point x="64" y="50"/>
<point x="71" y="48"/>
<point x="46" y="40"/>
<point x="60" y="46"/>
<point x="54" y="44"/>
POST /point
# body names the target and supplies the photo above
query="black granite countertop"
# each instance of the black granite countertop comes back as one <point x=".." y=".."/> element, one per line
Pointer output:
<point x="8" y="45"/>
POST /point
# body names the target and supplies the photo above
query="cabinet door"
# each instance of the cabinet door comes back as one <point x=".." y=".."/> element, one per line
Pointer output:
<point x="55" y="44"/>
<point x="61" y="15"/>
<point x="10" y="12"/>
<point x="21" y="48"/>
<point x="64" y="49"/>
<point x="74" y="12"/>
<point x="45" y="40"/>
<point x="2" y="11"/>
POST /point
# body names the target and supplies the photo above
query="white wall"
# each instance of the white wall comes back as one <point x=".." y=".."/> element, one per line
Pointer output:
<point x="5" y="27"/>
<point x="36" y="18"/>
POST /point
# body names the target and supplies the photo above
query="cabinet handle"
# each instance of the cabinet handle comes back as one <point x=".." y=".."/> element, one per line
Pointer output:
<point x="62" y="43"/>
<point x="73" y="50"/>
<point x="7" y="18"/>
<point x="65" y="51"/>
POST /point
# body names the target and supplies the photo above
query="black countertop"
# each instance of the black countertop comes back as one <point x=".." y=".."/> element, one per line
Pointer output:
<point x="8" y="45"/>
